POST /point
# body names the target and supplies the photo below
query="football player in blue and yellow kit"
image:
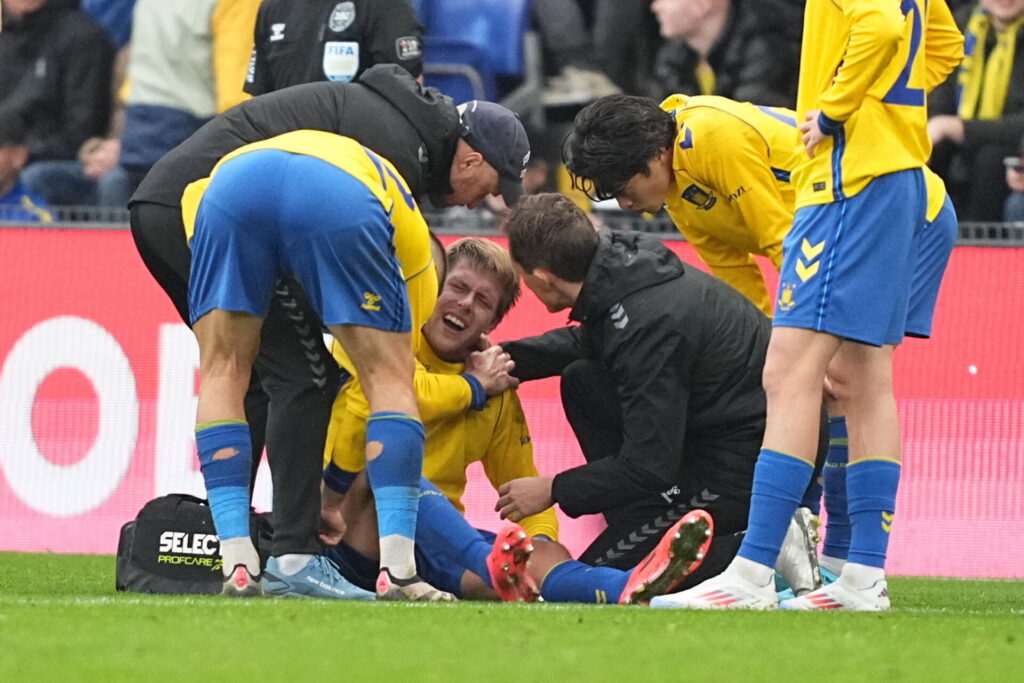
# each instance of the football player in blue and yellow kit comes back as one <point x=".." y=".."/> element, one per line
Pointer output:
<point x="471" y="413"/>
<point x="337" y="217"/>
<point x="845" y="287"/>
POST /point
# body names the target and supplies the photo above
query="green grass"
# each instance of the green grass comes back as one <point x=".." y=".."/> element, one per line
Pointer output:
<point x="60" y="619"/>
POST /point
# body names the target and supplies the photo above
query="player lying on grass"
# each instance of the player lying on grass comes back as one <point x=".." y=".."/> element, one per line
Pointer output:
<point x="471" y="414"/>
<point x="722" y="171"/>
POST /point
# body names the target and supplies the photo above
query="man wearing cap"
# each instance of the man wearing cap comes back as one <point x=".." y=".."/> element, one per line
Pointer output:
<point x="456" y="159"/>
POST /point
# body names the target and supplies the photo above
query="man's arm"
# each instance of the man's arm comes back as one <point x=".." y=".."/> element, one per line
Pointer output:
<point x="545" y="355"/>
<point x="652" y="364"/>
<point x="943" y="45"/>
<point x="876" y="29"/>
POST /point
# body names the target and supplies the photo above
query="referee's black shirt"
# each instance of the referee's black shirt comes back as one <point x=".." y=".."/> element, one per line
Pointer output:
<point x="328" y="40"/>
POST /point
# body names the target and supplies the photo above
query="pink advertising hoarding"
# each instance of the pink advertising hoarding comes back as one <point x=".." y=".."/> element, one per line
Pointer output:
<point x="97" y="400"/>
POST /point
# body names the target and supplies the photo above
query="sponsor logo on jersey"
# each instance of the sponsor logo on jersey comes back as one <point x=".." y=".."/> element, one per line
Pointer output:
<point x="818" y="187"/>
<point x="342" y="16"/>
<point x="733" y="196"/>
<point x="699" y="197"/>
<point x="276" y="32"/>
<point x="371" y="302"/>
<point x="408" y="47"/>
<point x="786" y="301"/>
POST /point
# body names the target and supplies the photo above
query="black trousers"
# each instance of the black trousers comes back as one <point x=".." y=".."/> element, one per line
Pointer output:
<point x="294" y="383"/>
<point x="591" y="403"/>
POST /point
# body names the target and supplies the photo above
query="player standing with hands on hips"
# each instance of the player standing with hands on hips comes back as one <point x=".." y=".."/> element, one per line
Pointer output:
<point x="844" y="289"/>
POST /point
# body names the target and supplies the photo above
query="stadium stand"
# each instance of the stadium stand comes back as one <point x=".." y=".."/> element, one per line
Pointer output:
<point x="474" y="49"/>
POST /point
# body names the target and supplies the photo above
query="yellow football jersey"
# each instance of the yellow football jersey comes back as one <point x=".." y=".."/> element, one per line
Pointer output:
<point x="731" y="195"/>
<point x="868" y="65"/>
<point x="496" y="436"/>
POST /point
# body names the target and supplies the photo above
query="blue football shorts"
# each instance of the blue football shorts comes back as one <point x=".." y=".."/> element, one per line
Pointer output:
<point x="848" y="266"/>
<point x="933" y="244"/>
<point x="271" y="213"/>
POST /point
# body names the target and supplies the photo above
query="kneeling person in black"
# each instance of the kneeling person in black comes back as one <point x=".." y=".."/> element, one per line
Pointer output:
<point x="661" y="382"/>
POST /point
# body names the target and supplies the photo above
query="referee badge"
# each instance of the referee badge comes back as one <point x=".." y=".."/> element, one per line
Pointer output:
<point x="342" y="16"/>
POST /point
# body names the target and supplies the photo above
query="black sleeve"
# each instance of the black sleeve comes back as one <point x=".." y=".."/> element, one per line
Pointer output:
<point x="545" y="355"/>
<point x="1005" y="131"/>
<point x="258" y="77"/>
<point x="652" y="364"/>
<point x="86" y="91"/>
<point x="394" y="36"/>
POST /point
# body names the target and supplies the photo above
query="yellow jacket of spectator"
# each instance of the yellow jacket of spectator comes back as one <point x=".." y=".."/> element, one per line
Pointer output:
<point x="497" y="437"/>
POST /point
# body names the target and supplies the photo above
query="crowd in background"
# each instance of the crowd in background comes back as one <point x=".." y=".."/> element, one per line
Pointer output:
<point x="93" y="92"/>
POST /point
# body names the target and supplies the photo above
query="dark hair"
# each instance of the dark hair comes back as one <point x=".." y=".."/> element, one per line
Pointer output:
<point x="12" y="129"/>
<point x="549" y="231"/>
<point x="614" y="139"/>
<point x="488" y="256"/>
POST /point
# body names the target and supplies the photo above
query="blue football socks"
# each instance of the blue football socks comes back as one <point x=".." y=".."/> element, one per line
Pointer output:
<point x="225" y="458"/>
<point x="573" y="581"/>
<point x="871" y="487"/>
<point x="395" y="473"/>
<point x="837" y="533"/>
<point x="779" y="484"/>
<point x="443" y="531"/>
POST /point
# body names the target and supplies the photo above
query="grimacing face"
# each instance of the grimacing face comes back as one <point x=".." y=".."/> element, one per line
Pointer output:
<point x="466" y="308"/>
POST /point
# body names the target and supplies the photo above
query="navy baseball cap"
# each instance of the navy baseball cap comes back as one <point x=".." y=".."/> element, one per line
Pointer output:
<point x="499" y="136"/>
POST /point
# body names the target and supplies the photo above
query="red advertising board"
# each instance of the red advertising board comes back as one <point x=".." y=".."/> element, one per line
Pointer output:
<point x="98" y="379"/>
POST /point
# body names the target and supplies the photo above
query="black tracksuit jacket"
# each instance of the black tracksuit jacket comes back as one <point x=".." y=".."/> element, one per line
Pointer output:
<point x="414" y="127"/>
<point x="687" y="352"/>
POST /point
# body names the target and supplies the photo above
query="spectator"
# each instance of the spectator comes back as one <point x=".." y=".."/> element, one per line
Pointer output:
<point x="115" y="16"/>
<point x="16" y="202"/>
<point x="978" y="117"/>
<point x="56" y="71"/>
<point x="187" y="63"/>
<point x="326" y="40"/>
<point x="750" y="48"/>
<point x="570" y="46"/>
<point x="1013" y="211"/>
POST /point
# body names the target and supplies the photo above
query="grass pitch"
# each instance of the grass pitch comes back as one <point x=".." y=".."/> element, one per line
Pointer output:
<point x="60" y="619"/>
